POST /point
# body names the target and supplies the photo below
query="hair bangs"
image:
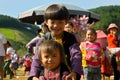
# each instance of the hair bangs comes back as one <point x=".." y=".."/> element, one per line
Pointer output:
<point x="56" y="12"/>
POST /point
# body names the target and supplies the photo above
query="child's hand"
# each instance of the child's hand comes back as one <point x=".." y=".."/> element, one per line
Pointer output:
<point x="89" y="58"/>
<point x="11" y="64"/>
<point x="101" y="58"/>
<point x="35" y="78"/>
<point x="71" y="76"/>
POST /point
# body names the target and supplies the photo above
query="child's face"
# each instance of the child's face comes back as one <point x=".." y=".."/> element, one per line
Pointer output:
<point x="113" y="31"/>
<point x="51" y="60"/>
<point x="56" y="27"/>
<point x="44" y="29"/>
<point x="68" y="28"/>
<point x="90" y="36"/>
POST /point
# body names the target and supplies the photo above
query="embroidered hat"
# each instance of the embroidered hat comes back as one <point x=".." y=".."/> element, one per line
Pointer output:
<point x="112" y="25"/>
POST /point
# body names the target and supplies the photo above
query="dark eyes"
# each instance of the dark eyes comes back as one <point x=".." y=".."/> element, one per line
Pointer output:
<point x="59" y="22"/>
<point x="49" y="56"/>
<point x="46" y="56"/>
<point x="54" y="55"/>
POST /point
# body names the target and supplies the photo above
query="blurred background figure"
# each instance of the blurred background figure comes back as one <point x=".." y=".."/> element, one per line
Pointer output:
<point x="41" y="33"/>
<point x="3" y="47"/>
<point x="43" y="30"/>
<point x="69" y="27"/>
<point x="27" y="64"/>
<point x="14" y="63"/>
<point x="106" y="68"/>
<point x="7" y="60"/>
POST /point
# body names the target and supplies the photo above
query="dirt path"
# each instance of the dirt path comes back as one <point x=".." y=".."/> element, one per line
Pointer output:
<point x="19" y="76"/>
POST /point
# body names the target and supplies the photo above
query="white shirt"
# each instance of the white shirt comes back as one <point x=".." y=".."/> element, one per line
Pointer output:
<point x="2" y="42"/>
<point x="12" y="53"/>
<point x="10" y="50"/>
<point x="14" y="57"/>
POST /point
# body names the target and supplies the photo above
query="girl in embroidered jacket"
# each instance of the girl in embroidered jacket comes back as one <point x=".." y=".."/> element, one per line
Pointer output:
<point x="52" y="58"/>
<point x="92" y="57"/>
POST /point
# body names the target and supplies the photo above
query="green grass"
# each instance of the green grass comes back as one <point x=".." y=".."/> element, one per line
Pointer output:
<point x="18" y="37"/>
<point x="8" y="33"/>
<point x="17" y="33"/>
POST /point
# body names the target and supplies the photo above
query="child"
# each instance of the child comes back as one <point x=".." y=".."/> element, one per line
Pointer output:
<point x="44" y="30"/>
<point x="69" y="27"/>
<point x="52" y="58"/>
<point x="14" y="62"/>
<point x="114" y="49"/>
<point x="27" y="64"/>
<point x="91" y="54"/>
<point x="35" y="41"/>
<point x="56" y="17"/>
<point x="7" y="62"/>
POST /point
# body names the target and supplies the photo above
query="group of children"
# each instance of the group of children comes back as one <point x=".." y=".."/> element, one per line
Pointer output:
<point x="56" y="16"/>
<point x="59" y="56"/>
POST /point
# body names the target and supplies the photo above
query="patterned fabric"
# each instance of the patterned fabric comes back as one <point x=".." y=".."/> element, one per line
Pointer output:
<point x="89" y="51"/>
<point x="93" y="54"/>
<point x="51" y="75"/>
<point x="58" y="74"/>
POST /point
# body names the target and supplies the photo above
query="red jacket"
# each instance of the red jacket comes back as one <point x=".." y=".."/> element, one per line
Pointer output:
<point x="112" y="41"/>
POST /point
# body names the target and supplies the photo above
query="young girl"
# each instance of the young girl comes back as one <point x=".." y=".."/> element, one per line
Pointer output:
<point x="91" y="56"/>
<point x="114" y="49"/>
<point x="52" y="58"/>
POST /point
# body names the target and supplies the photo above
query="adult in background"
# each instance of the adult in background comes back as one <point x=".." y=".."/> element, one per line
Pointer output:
<point x="3" y="47"/>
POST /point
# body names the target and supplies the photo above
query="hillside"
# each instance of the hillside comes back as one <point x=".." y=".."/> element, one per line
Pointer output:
<point x="18" y="33"/>
<point x="108" y="14"/>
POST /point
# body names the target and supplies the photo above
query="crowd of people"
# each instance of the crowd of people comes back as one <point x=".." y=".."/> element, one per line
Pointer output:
<point x="59" y="52"/>
<point x="12" y="62"/>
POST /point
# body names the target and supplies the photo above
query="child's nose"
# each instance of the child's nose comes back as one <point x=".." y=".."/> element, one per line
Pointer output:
<point x="50" y="59"/>
<point x="55" y="25"/>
